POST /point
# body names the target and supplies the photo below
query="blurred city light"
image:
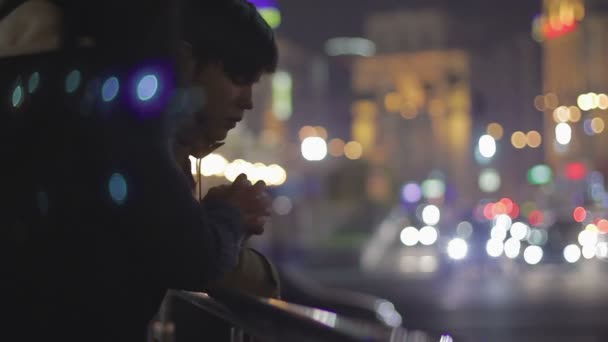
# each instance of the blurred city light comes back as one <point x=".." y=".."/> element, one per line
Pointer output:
<point x="551" y="101"/>
<point x="495" y="130"/>
<point x="512" y="247"/>
<point x="587" y="127"/>
<point x="457" y="249"/>
<point x="282" y="85"/>
<point x="538" y="237"/>
<point x="503" y="221"/>
<point x="576" y="171"/>
<point x="563" y="133"/>
<point x="72" y="81"/>
<point x="282" y="205"/>
<point x="110" y="89"/>
<point x="336" y="147"/>
<point x="589" y="251"/>
<point x="464" y="230"/>
<point x="534" y="139"/>
<point x="519" y="140"/>
<point x="411" y="193"/>
<point x="519" y="231"/>
<point x="579" y="214"/>
<point x="269" y="10"/>
<point x="587" y="238"/>
<point x="431" y="215"/>
<point x="314" y="149"/>
<point x="487" y="146"/>
<point x="212" y="165"/>
<point x="498" y="233"/>
<point x="428" y="235"/>
<point x="353" y="150"/>
<point x="147" y="87"/>
<point x="352" y="46"/>
<point x="307" y="131"/>
<point x="601" y="250"/>
<point x="489" y="180"/>
<point x="572" y="253"/>
<point x="540" y="174"/>
<point x="410" y="236"/>
<point x="433" y="188"/>
<point x="494" y="248"/>
<point x="533" y="255"/>
<point x="34" y="82"/>
<point x="597" y="125"/>
<point x="575" y="114"/>
<point x="561" y="114"/>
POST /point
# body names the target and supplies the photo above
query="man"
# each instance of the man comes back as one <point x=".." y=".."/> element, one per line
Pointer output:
<point x="97" y="261"/>
<point x="227" y="48"/>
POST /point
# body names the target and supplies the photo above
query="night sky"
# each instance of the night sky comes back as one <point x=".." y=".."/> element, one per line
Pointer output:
<point x="311" y="22"/>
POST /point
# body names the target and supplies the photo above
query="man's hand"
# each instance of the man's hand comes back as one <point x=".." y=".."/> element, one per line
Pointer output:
<point x="252" y="200"/>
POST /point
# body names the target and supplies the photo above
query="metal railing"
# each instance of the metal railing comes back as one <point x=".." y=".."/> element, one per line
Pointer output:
<point x="276" y="320"/>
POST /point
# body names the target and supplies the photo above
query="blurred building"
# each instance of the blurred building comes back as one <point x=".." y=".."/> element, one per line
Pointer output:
<point x="460" y="77"/>
<point x="574" y="36"/>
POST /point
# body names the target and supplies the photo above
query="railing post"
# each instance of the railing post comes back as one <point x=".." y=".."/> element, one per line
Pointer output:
<point x="237" y="335"/>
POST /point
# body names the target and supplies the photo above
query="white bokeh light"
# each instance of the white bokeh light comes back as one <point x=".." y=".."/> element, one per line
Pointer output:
<point x="428" y="235"/>
<point x="457" y="249"/>
<point x="431" y="215"/>
<point x="533" y="254"/>
<point x="589" y="251"/>
<point x="498" y="233"/>
<point x="503" y="221"/>
<point x="410" y="236"/>
<point x="494" y="248"/>
<point x="314" y="148"/>
<point x="587" y="238"/>
<point x="563" y="133"/>
<point x="572" y="253"/>
<point x="487" y="146"/>
<point x="519" y="230"/>
<point x="512" y="247"/>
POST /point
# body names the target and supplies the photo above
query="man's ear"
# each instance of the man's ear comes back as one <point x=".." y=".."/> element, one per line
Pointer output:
<point x="186" y="63"/>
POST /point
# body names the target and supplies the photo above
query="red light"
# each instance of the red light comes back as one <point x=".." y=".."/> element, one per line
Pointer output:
<point x="536" y="218"/>
<point x="487" y="211"/>
<point x="576" y="171"/>
<point x="551" y="32"/>
<point x="579" y="214"/>
<point x="514" y="212"/>
<point x="508" y="203"/>
<point x="603" y="226"/>
<point x="499" y="209"/>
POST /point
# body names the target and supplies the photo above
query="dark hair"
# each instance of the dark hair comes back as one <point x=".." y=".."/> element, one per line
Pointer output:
<point x="233" y="33"/>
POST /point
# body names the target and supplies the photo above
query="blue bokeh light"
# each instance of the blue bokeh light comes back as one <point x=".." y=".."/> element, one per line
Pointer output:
<point x="118" y="188"/>
<point x="17" y="98"/>
<point x="109" y="89"/>
<point x="33" y="83"/>
<point x="147" y="87"/>
<point x="72" y="81"/>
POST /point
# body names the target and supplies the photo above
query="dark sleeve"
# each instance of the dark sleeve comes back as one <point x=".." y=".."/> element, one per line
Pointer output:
<point x="184" y="243"/>
<point x="254" y="275"/>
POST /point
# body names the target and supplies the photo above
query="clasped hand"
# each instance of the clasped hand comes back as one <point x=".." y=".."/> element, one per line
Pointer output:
<point x="252" y="200"/>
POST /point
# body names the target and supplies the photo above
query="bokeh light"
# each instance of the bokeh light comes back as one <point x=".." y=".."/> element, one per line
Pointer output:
<point x="534" y="139"/>
<point x="519" y="230"/>
<point x="72" y="81"/>
<point x="431" y="215"/>
<point x="572" y="253"/>
<point x="117" y="186"/>
<point x="147" y="87"/>
<point x="336" y="147"/>
<point x="563" y="133"/>
<point x="597" y="125"/>
<point x="464" y="230"/>
<point x="428" y="235"/>
<point x="519" y="140"/>
<point x="575" y="114"/>
<point x="314" y="149"/>
<point x="410" y="236"/>
<point x="540" y="174"/>
<point x="18" y="96"/>
<point x="353" y="150"/>
<point x="457" y="249"/>
<point x="512" y="248"/>
<point x="487" y="146"/>
<point x="411" y="193"/>
<point x="110" y="89"/>
<point x="34" y="82"/>
<point x="282" y="205"/>
<point x="495" y="130"/>
<point x="533" y="255"/>
<point x="433" y="188"/>
<point x="494" y="248"/>
<point x="489" y="180"/>
<point x="579" y="214"/>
